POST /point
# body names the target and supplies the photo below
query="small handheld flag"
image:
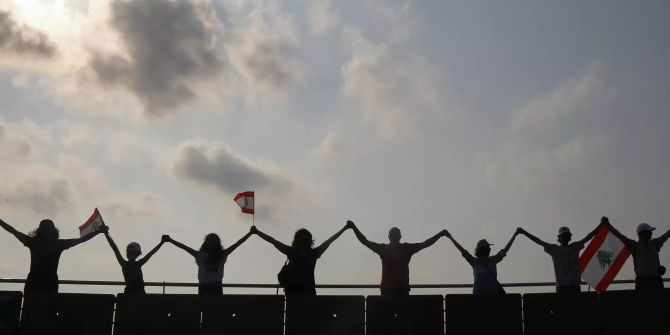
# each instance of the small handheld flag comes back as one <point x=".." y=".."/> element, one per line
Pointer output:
<point x="92" y="224"/>
<point x="602" y="259"/>
<point x="246" y="201"/>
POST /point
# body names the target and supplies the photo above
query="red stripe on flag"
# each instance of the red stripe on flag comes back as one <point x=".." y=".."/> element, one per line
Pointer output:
<point x="244" y="194"/>
<point x="613" y="270"/>
<point x="247" y="210"/>
<point x="90" y="219"/>
<point x="593" y="247"/>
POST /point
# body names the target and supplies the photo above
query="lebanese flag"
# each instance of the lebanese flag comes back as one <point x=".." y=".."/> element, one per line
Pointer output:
<point x="602" y="259"/>
<point x="246" y="201"/>
<point x="92" y="224"/>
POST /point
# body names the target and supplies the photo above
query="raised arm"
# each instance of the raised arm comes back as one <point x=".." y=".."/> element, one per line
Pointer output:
<point x="23" y="238"/>
<point x="322" y="248"/>
<point x="532" y="237"/>
<point x="239" y="242"/>
<point x="112" y="245"/>
<point x="182" y="246"/>
<point x="151" y="252"/>
<point x="427" y="243"/>
<point x="283" y="248"/>
<point x="505" y="250"/>
<point x="71" y="242"/>
<point x="361" y="238"/>
<point x="458" y="246"/>
<point x="604" y="220"/>
<point x="664" y="237"/>
<point x="590" y="235"/>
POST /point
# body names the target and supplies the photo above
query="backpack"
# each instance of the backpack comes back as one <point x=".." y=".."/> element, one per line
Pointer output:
<point x="286" y="275"/>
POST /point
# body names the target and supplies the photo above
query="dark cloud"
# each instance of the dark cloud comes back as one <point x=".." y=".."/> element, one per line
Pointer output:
<point x="267" y="65"/>
<point x="39" y="194"/>
<point x="22" y="40"/>
<point x="168" y="50"/>
<point x="215" y="165"/>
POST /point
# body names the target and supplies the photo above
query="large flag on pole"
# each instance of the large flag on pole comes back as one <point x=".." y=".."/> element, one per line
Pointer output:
<point x="92" y="224"/>
<point x="246" y="201"/>
<point x="602" y="259"/>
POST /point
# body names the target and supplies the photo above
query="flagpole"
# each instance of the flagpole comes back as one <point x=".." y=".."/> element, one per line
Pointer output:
<point x="253" y="215"/>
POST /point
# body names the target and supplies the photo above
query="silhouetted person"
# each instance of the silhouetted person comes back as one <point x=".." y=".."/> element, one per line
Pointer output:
<point x="484" y="266"/>
<point x="648" y="269"/>
<point x="566" y="258"/>
<point x="210" y="259"/>
<point x="45" y="250"/>
<point x="132" y="268"/>
<point x="395" y="257"/>
<point x="302" y="257"/>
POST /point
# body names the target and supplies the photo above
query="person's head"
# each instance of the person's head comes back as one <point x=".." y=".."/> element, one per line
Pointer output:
<point x="564" y="235"/>
<point x="644" y="232"/>
<point x="212" y="246"/>
<point x="483" y="249"/>
<point x="46" y="231"/>
<point x="394" y="235"/>
<point x="302" y="239"/>
<point x="133" y="250"/>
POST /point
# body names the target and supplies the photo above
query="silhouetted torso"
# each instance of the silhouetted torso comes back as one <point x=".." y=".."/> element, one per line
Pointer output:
<point x="485" y="273"/>
<point x="395" y="264"/>
<point x="132" y="274"/>
<point x="44" y="259"/>
<point x="303" y="264"/>
<point x="566" y="263"/>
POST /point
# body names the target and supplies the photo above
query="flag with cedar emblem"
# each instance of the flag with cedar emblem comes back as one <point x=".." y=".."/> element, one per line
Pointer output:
<point x="602" y="259"/>
<point x="246" y="201"/>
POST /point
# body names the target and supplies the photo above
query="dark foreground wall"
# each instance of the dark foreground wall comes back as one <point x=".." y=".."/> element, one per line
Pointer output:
<point x="611" y="313"/>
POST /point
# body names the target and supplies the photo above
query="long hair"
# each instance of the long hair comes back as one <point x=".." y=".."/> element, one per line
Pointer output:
<point x="212" y="246"/>
<point x="302" y="240"/>
<point x="46" y="231"/>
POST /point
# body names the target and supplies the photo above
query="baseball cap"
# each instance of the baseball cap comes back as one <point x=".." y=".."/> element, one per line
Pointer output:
<point x="564" y="230"/>
<point x="644" y="227"/>
<point x="135" y="247"/>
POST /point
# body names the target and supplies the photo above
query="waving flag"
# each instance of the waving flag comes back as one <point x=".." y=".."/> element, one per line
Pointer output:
<point x="92" y="224"/>
<point x="602" y="259"/>
<point x="246" y="201"/>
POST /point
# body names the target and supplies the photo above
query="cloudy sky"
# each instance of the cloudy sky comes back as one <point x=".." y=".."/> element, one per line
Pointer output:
<point x="474" y="116"/>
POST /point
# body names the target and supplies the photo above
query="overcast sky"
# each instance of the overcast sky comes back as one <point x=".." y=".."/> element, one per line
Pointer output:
<point x="474" y="116"/>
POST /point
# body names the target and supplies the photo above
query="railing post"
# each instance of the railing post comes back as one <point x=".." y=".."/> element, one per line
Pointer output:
<point x="163" y="287"/>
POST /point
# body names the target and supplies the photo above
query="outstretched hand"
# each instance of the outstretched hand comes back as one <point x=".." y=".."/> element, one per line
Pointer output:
<point x="519" y="230"/>
<point x="165" y="238"/>
<point x="103" y="229"/>
<point x="253" y="230"/>
<point x="445" y="233"/>
<point x="605" y="221"/>
<point x="350" y="224"/>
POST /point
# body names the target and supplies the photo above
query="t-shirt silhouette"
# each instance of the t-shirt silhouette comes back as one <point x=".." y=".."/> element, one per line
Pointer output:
<point x="395" y="263"/>
<point x="645" y="257"/>
<point x="485" y="273"/>
<point x="566" y="263"/>
<point x="302" y="264"/>
<point x="210" y="272"/>
<point x="132" y="274"/>
<point x="44" y="259"/>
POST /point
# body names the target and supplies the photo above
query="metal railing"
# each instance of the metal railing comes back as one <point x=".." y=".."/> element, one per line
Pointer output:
<point x="275" y="286"/>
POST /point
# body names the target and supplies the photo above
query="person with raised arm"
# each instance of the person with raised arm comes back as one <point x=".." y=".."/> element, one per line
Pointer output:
<point x="210" y="258"/>
<point x="395" y="257"/>
<point x="647" y="264"/>
<point x="302" y="257"/>
<point x="565" y="256"/>
<point x="45" y="251"/>
<point x="484" y="266"/>
<point x="132" y="268"/>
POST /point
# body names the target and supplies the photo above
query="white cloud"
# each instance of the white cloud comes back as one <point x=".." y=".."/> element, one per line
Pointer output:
<point x="550" y="138"/>
<point x="331" y="145"/>
<point x="391" y="92"/>
<point x="322" y="17"/>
